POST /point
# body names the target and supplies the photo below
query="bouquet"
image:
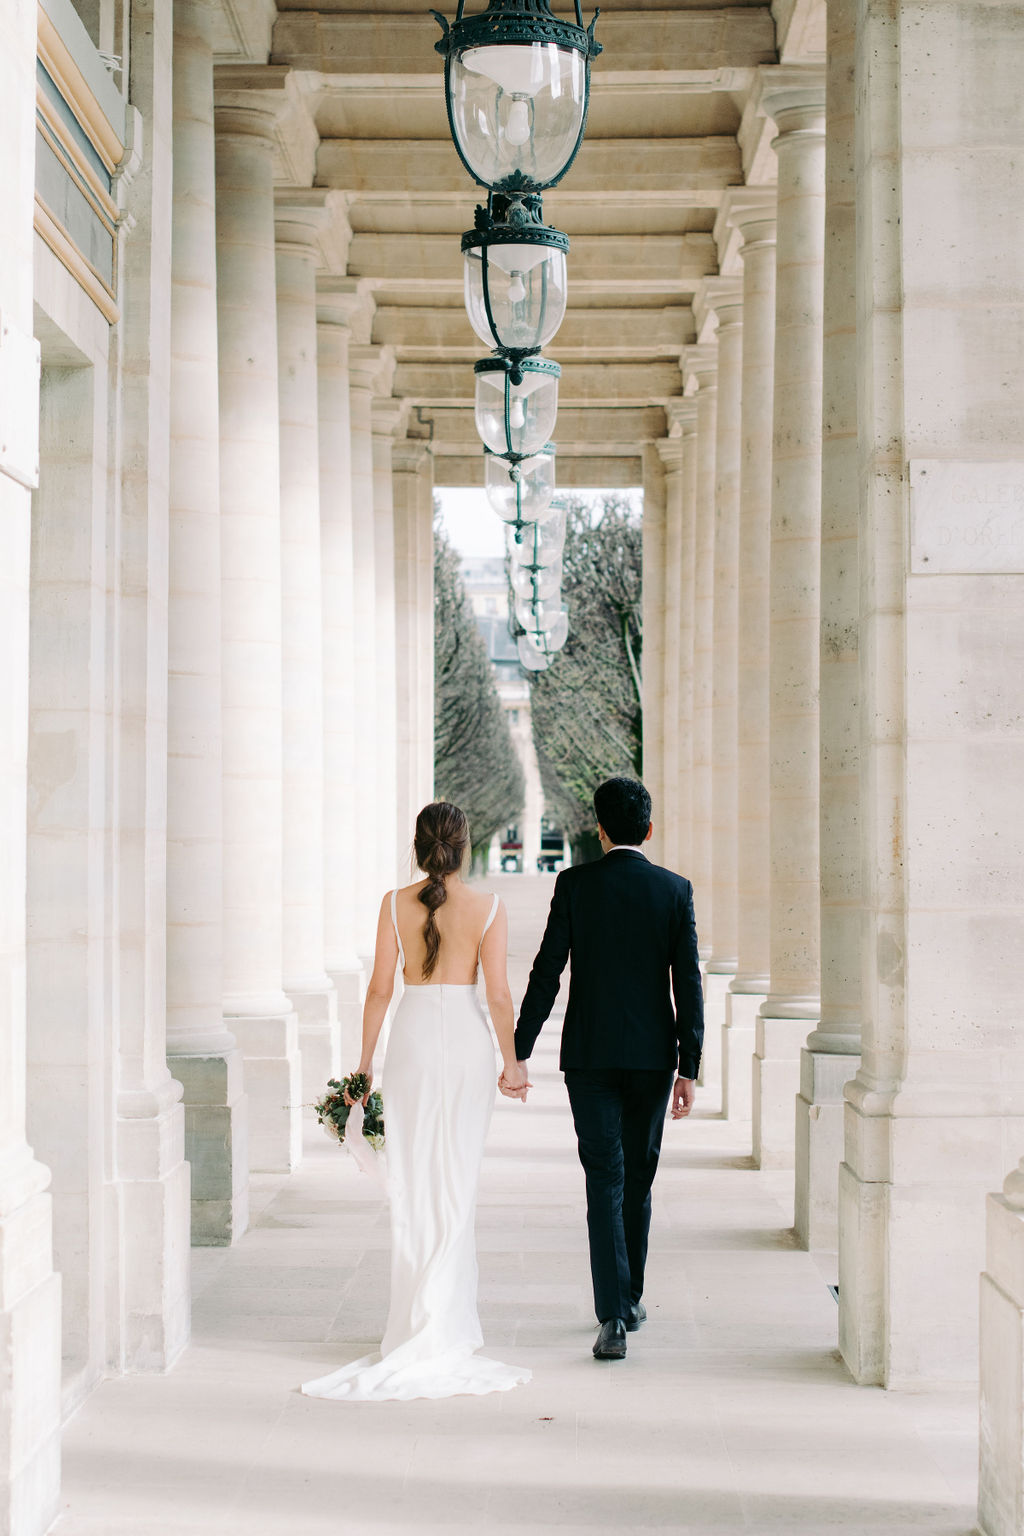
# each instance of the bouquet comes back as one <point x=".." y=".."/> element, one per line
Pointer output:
<point x="333" y="1113"/>
<point x="365" y="1123"/>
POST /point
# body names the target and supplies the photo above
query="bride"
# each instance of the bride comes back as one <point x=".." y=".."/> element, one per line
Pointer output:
<point x="439" y="1094"/>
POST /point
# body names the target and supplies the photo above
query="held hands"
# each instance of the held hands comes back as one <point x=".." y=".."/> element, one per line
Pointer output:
<point x="684" y="1091"/>
<point x="514" y="1083"/>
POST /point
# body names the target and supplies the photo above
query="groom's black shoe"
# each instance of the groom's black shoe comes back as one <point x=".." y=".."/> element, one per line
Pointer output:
<point x="611" y="1341"/>
<point x="637" y="1315"/>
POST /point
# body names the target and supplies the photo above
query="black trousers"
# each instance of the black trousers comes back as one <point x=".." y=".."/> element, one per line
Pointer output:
<point x="619" y="1117"/>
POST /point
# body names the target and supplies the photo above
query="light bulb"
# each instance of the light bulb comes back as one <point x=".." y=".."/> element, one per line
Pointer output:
<point x="517" y="414"/>
<point x="517" y="129"/>
<point x="516" y="289"/>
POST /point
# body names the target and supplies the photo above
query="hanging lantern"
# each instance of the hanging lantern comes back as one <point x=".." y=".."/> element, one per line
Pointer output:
<point x="534" y="657"/>
<point x="517" y="85"/>
<point x="546" y="624"/>
<point x="538" y="545"/>
<point x="516" y="404"/>
<point x="521" y="492"/>
<point x="515" y="277"/>
<point x="536" y="583"/>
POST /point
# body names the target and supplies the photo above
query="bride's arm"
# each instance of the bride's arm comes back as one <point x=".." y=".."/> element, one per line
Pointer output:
<point x="381" y="987"/>
<point x="494" y="960"/>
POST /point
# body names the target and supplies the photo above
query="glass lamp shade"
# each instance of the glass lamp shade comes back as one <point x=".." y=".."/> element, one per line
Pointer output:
<point x="538" y="545"/>
<point x="531" y="655"/>
<point x="541" y="617"/>
<point x="554" y="636"/>
<point x="517" y="111"/>
<point x="516" y="418"/>
<point x="521" y="493"/>
<point x="535" y="585"/>
<point x="516" y="290"/>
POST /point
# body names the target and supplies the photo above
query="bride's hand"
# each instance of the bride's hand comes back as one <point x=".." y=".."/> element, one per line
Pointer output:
<point x="369" y="1086"/>
<point x="514" y="1082"/>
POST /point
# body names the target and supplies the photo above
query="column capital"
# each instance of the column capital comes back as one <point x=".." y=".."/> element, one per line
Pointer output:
<point x="265" y="101"/>
<point x="700" y="367"/>
<point x="313" y="221"/>
<point x="372" y="369"/>
<point x="793" y="95"/>
<point x="411" y="455"/>
<point x="346" y="302"/>
<point x="389" y="414"/>
<point x="681" y="416"/>
<point x="718" y="299"/>
<point x="746" y="218"/>
<point x="671" y="452"/>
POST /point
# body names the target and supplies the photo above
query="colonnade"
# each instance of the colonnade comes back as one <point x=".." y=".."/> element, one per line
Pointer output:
<point x="840" y="740"/>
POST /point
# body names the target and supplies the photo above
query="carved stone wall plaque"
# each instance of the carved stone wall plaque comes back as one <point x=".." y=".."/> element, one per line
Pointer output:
<point x="966" y="517"/>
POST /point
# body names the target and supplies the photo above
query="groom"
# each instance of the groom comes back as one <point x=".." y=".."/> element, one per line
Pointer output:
<point x="626" y="927"/>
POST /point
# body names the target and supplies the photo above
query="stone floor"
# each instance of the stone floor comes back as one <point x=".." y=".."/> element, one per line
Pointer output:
<point x="732" y="1412"/>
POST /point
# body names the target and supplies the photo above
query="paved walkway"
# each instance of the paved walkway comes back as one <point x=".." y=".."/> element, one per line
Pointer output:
<point x="732" y="1412"/>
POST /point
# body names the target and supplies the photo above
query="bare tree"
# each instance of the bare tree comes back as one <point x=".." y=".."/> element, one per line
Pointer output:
<point x="475" y="761"/>
<point x="586" y="708"/>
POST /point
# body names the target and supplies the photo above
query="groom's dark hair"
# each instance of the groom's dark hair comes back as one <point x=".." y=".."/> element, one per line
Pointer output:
<point x="623" y="807"/>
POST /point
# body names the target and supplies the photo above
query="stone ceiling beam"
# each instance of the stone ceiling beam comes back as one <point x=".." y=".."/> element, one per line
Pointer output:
<point x="429" y="334"/>
<point x="397" y="49"/>
<point x="617" y="431"/>
<point x="582" y="471"/>
<point x="657" y="261"/>
<point x="426" y="167"/>
<point x="604" y="383"/>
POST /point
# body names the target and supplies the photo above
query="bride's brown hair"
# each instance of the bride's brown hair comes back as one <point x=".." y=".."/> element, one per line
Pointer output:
<point x="441" y="840"/>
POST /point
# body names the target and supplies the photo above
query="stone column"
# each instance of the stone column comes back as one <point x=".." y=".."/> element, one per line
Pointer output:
<point x="366" y="364"/>
<point x="412" y="475"/>
<point x="683" y="417"/>
<point x="700" y="369"/>
<point x="831" y="1056"/>
<point x="795" y="98"/>
<point x="302" y="218"/>
<point x="653" y="659"/>
<point x="334" y="313"/>
<point x="935" y="1113"/>
<point x="671" y="451"/>
<point x="30" y="1321"/>
<point x="394" y="842"/>
<point x="724" y="298"/>
<point x="255" y="1002"/>
<point x="202" y="1053"/>
<point x="752" y="212"/>
<point x="146" y="1210"/>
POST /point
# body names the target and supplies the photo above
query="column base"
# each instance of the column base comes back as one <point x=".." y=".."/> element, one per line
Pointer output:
<point x="30" y="1370"/>
<point x="216" y="1145"/>
<point x="738" y="1038"/>
<point x="716" y="990"/>
<point x="350" y="989"/>
<point x="273" y="1084"/>
<point x="819" y="1147"/>
<point x="150" y="1231"/>
<point x="1001" y="1472"/>
<point x="912" y="1208"/>
<point x="319" y="1037"/>
<point x="776" y="1081"/>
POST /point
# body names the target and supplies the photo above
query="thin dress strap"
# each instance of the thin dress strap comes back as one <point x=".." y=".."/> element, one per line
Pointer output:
<point x="398" y="936"/>
<point x="492" y="914"/>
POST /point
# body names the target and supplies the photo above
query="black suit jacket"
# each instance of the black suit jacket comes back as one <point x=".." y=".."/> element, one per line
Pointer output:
<point x="627" y="927"/>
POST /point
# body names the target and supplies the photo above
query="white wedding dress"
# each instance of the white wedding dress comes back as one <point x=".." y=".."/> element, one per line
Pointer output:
<point x="438" y="1088"/>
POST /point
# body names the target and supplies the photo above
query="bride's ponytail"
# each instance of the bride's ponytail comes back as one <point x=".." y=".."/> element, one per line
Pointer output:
<point x="441" y="840"/>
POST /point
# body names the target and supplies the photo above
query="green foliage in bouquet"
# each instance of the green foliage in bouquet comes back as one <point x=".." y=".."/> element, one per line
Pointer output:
<point x="333" y="1112"/>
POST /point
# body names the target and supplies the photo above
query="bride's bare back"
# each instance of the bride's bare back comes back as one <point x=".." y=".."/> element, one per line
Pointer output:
<point x="460" y="922"/>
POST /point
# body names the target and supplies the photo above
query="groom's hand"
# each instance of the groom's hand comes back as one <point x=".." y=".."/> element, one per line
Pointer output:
<point x="683" y="1094"/>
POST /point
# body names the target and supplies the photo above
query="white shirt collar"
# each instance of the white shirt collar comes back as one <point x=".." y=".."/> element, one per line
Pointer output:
<point x="627" y="848"/>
